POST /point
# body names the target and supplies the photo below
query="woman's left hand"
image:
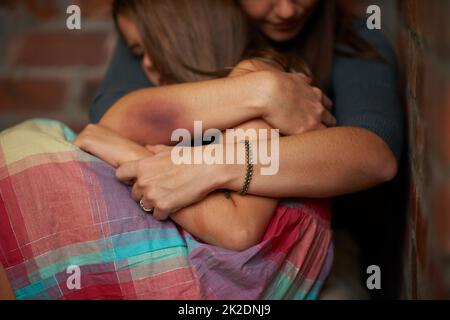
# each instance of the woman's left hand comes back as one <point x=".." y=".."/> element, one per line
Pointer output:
<point x="165" y="186"/>
<point x="109" y="146"/>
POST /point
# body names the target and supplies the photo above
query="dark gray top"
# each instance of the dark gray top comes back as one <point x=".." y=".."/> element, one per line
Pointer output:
<point x="365" y="92"/>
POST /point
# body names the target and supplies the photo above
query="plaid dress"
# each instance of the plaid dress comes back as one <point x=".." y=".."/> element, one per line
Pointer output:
<point x="63" y="214"/>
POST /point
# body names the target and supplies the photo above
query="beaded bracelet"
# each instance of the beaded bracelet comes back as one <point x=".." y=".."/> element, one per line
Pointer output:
<point x="249" y="165"/>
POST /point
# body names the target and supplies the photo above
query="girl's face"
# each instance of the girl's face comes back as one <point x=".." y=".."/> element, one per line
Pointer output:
<point x="279" y="20"/>
<point x="136" y="45"/>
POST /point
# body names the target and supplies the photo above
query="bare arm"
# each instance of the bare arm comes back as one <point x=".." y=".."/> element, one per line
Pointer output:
<point x="149" y="116"/>
<point x="285" y="101"/>
<point x="319" y="164"/>
<point x="311" y="165"/>
<point x="245" y="217"/>
<point x="236" y="223"/>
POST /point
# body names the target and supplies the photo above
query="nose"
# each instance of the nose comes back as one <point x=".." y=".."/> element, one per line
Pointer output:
<point x="146" y="62"/>
<point x="285" y="9"/>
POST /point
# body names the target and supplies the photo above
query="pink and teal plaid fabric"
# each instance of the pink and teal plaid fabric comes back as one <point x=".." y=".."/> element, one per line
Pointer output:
<point x="61" y="207"/>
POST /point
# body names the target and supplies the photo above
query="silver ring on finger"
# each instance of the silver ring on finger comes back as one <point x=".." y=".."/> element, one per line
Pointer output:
<point x="148" y="210"/>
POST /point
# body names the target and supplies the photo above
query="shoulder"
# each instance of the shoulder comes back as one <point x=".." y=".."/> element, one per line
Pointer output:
<point x="366" y="91"/>
<point x="376" y="38"/>
<point x="367" y="70"/>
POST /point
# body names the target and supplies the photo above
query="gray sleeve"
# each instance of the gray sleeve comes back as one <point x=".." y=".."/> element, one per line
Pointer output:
<point x="123" y="76"/>
<point x="366" y="92"/>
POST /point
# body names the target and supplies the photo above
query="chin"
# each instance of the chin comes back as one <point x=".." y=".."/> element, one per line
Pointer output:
<point x="282" y="37"/>
<point x="279" y="36"/>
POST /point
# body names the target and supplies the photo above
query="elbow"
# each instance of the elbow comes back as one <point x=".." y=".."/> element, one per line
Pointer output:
<point x="381" y="163"/>
<point x="242" y="239"/>
<point x="391" y="169"/>
<point x="112" y="120"/>
<point x="118" y="122"/>
<point x="386" y="165"/>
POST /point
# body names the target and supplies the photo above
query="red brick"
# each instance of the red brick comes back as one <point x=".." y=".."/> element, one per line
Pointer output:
<point x="353" y="7"/>
<point x="436" y="104"/>
<point x="26" y="95"/>
<point x="441" y="214"/>
<point x="410" y="10"/>
<point x="95" y="9"/>
<point x="10" y="4"/>
<point x="439" y="283"/>
<point x="436" y="26"/>
<point x="422" y="242"/>
<point x="413" y="264"/>
<point x="44" y="9"/>
<point x="61" y="48"/>
<point x="415" y="68"/>
<point x="423" y="46"/>
<point x="418" y="143"/>
<point x="414" y="202"/>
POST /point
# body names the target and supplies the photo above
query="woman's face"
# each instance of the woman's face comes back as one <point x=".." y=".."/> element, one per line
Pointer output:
<point x="136" y="45"/>
<point x="280" y="20"/>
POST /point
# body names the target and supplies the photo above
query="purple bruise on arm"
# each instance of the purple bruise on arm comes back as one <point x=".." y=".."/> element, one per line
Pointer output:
<point x="153" y="122"/>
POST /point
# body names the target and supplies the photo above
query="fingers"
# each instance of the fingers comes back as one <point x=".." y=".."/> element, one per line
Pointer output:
<point x="137" y="193"/>
<point x="160" y="212"/>
<point x="160" y="215"/>
<point x="156" y="213"/>
<point x="127" y="171"/>
<point x="147" y="205"/>
<point x="327" y="102"/>
<point x="328" y="119"/>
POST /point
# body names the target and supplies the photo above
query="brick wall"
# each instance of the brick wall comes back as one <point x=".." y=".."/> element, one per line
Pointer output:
<point x="420" y="30"/>
<point x="47" y="70"/>
<point x="425" y="50"/>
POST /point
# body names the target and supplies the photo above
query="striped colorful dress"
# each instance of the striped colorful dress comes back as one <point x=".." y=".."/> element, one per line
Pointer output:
<point x="64" y="215"/>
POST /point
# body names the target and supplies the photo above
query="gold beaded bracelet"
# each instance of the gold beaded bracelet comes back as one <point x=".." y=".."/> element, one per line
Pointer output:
<point x="249" y="166"/>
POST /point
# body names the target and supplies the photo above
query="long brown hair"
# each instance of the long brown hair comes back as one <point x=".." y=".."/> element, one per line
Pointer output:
<point x="191" y="40"/>
<point x="188" y="40"/>
<point x="329" y="25"/>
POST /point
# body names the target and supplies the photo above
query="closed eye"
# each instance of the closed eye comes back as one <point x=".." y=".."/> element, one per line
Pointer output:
<point x="139" y="56"/>
<point x="137" y="51"/>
